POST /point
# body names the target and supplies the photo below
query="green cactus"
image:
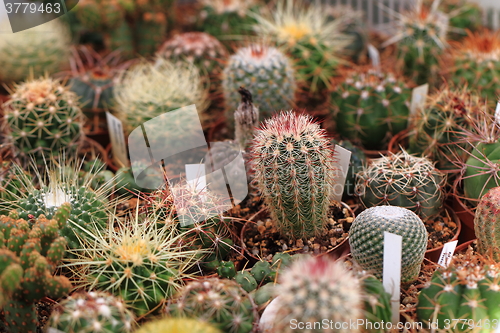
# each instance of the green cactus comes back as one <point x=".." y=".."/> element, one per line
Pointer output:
<point x="220" y="302"/>
<point x="100" y="15"/>
<point x="178" y="325"/>
<point x="149" y="31"/>
<point x="370" y="107"/>
<point x="468" y="290"/>
<point x="88" y="312"/>
<point x="356" y="164"/>
<point x="226" y="270"/>
<point x="42" y="117"/>
<point x="262" y="272"/>
<point x="11" y="185"/>
<point x="41" y="50"/>
<point x="29" y="255"/>
<point x="294" y="171"/>
<point x="246" y="280"/>
<point x="485" y="224"/>
<point x="463" y="15"/>
<point x="402" y="180"/>
<point x="264" y="71"/>
<point x="366" y="238"/>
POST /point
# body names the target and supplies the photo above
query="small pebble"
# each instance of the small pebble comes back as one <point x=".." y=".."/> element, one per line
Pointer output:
<point x="299" y="243"/>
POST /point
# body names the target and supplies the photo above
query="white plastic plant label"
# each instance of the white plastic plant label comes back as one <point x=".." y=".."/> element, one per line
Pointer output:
<point x="391" y="275"/>
<point x="342" y="166"/>
<point x="117" y="138"/>
<point x="374" y="56"/>
<point x="497" y="113"/>
<point x="447" y="253"/>
<point x="418" y="97"/>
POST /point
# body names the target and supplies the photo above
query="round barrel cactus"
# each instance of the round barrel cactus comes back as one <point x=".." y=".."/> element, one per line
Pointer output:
<point x="366" y="238"/>
<point x="486" y="224"/>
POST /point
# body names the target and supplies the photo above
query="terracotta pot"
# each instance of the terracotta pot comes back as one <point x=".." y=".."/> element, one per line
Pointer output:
<point x="464" y="213"/>
<point x="338" y="251"/>
<point x="433" y="254"/>
<point x="464" y="246"/>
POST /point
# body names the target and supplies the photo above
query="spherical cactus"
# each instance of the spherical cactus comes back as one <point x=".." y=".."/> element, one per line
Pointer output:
<point x="266" y="73"/>
<point x="42" y="117"/>
<point x="366" y="238"/>
<point x="295" y="172"/>
<point x="221" y="302"/>
<point x="92" y="312"/>
<point x="463" y="296"/>
<point x="41" y="50"/>
<point x="486" y="224"/>
<point x="402" y="180"/>
<point x="370" y="107"/>
<point x="178" y="325"/>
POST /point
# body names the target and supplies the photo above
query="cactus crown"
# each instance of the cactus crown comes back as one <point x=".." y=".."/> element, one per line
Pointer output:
<point x="191" y="45"/>
<point x="481" y="46"/>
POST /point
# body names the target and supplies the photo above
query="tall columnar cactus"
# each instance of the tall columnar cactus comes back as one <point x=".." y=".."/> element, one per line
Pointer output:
<point x="41" y="50"/>
<point x="421" y="38"/>
<point x="218" y="301"/>
<point x="147" y="90"/>
<point x="92" y="312"/>
<point x="370" y="107"/>
<point x="264" y="71"/>
<point x="308" y="36"/>
<point x="29" y="253"/>
<point x="178" y="325"/>
<point x="402" y="180"/>
<point x="438" y="126"/>
<point x="42" y="117"/>
<point x="486" y="224"/>
<point x="462" y="297"/>
<point x="476" y="62"/>
<point x="294" y="171"/>
<point x="366" y="238"/>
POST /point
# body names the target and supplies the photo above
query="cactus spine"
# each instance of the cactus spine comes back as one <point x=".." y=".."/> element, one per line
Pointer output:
<point x="486" y="224"/>
<point x="294" y="171"/>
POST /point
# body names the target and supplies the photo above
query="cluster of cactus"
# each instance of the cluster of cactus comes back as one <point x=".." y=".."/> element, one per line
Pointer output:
<point x="294" y="169"/>
<point x="148" y="90"/>
<point x="370" y="107"/>
<point x="402" y="180"/>
<point x="221" y="302"/>
<point x="41" y="50"/>
<point x="356" y="164"/>
<point x="93" y="311"/>
<point x="309" y="37"/>
<point x="178" y="325"/>
<point x="327" y="291"/>
<point x="366" y="238"/>
<point x="485" y="224"/>
<point x="439" y="124"/>
<point x="42" y="118"/>
<point x="476" y="62"/>
<point x="421" y="39"/>
<point x="30" y="251"/>
<point x="266" y="72"/>
<point x="463" y="296"/>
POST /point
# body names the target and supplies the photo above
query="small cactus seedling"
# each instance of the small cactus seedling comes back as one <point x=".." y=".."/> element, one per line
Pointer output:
<point x="486" y="224"/>
<point x="403" y="180"/>
<point x="294" y="171"/>
<point x="178" y="325"/>
<point x="366" y="238"/>
<point x="92" y="312"/>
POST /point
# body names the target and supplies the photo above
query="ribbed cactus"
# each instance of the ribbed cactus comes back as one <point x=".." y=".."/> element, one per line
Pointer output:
<point x="366" y="238"/>
<point x="29" y="253"/>
<point x="438" y="126"/>
<point x="463" y="15"/>
<point x="220" y="302"/>
<point x="92" y="312"/>
<point x="42" y="117"/>
<point x="486" y="224"/>
<point x="178" y="325"/>
<point x="402" y="180"/>
<point x="264" y="71"/>
<point x="370" y="107"/>
<point x="294" y="171"/>
<point x="462" y="297"/>
<point x="41" y="50"/>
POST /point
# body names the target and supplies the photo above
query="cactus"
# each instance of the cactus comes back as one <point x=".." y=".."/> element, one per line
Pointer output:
<point x="150" y="31"/>
<point x="42" y="117"/>
<point x="308" y="36"/>
<point x="366" y="238"/>
<point x="11" y="185"/>
<point x="485" y="220"/>
<point x="439" y="125"/>
<point x="41" y="50"/>
<point x="357" y="162"/>
<point x="463" y="15"/>
<point x="370" y="107"/>
<point x="220" y="302"/>
<point x="246" y="280"/>
<point x="402" y="180"/>
<point x="266" y="73"/>
<point x="29" y="255"/>
<point x="146" y="91"/>
<point x="482" y="172"/>
<point x="421" y="39"/>
<point x="177" y="325"/>
<point x="294" y="171"/>
<point x="468" y="290"/>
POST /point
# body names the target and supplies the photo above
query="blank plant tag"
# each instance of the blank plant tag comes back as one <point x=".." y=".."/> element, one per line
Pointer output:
<point x="117" y="138"/>
<point x="418" y="97"/>
<point x="391" y="276"/>
<point x="342" y="166"/>
<point x="374" y="56"/>
<point x="447" y="253"/>
<point x="497" y="113"/>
